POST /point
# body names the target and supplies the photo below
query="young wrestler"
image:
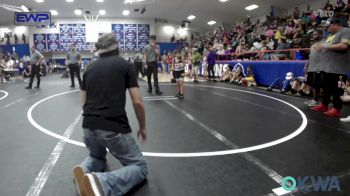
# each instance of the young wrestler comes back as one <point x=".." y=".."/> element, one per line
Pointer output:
<point x="179" y="69"/>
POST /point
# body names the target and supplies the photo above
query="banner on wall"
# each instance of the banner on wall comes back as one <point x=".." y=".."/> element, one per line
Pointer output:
<point x="90" y="46"/>
<point x="53" y="42"/>
<point x="143" y="35"/>
<point x="78" y="28"/>
<point x="130" y="31"/>
<point x="40" y="42"/>
<point x="65" y="41"/>
<point x="79" y="41"/>
<point x="72" y="34"/>
<point x="118" y="30"/>
<point x="66" y="28"/>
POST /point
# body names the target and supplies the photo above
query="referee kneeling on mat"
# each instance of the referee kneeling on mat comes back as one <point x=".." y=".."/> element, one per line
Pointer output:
<point x="106" y="125"/>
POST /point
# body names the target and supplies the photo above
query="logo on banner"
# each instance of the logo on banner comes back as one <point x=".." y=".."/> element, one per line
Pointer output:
<point x="319" y="184"/>
<point x="240" y="66"/>
<point x="324" y="13"/>
<point x="32" y="18"/>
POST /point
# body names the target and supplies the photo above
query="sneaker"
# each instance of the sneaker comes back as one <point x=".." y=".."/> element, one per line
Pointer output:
<point x="92" y="185"/>
<point x="347" y="119"/>
<point x="79" y="173"/>
<point x="181" y="97"/>
<point x="312" y="103"/>
<point x="37" y="87"/>
<point x="72" y="86"/>
<point x="333" y="113"/>
<point x="149" y="90"/>
<point x="308" y="102"/>
<point x="28" y="87"/>
<point x="177" y="96"/>
<point x="159" y="93"/>
<point x="320" y="108"/>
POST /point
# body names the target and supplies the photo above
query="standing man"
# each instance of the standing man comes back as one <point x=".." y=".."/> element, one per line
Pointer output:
<point x="211" y="58"/>
<point x="335" y="58"/>
<point x="151" y="55"/>
<point x="74" y="60"/>
<point x="35" y="60"/>
<point x="314" y="76"/>
<point x="16" y="39"/>
<point x="196" y="62"/>
<point x="106" y="125"/>
<point x="138" y="63"/>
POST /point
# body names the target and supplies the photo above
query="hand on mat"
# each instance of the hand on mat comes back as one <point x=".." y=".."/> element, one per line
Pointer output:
<point x="142" y="135"/>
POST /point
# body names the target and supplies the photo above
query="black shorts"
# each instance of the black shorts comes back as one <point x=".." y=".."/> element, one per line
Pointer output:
<point x="179" y="74"/>
<point x="314" y="79"/>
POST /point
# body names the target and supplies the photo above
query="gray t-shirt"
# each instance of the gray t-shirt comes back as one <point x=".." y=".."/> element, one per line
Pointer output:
<point x="151" y="55"/>
<point x="337" y="62"/>
<point x="73" y="57"/>
<point x="35" y="57"/>
<point x="315" y="61"/>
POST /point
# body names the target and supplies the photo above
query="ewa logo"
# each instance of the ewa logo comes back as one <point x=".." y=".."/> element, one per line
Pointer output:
<point x="323" y="13"/>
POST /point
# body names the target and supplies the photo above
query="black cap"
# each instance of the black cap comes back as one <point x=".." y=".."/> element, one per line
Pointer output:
<point x="339" y="21"/>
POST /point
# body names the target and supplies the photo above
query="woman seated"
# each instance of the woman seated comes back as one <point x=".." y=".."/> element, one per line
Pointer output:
<point x="227" y="75"/>
<point x="237" y="75"/>
<point x="249" y="80"/>
<point x="281" y="55"/>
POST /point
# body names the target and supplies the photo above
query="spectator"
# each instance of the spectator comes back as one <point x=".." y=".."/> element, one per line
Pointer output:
<point x="24" y="38"/>
<point x="205" y="65"/>
<point x="138" y="63"/>
<point x="278" y="34"/>
<point x="2" y="67"/>
<point x="290" y="30"/>
<point x="286" y="85"/>
<point x="237" y="75"/>
<point x="211" y="58"/>
<point x="335" y="61"/>
<point x="340" y="5"/>
<point x="164" y="62"/>
<point x="196" y="60"/>
<point x="282" y="45"/>
<point x="227" y="75"/>
<point x="328" y="6"/>
<point x="296" y="13"/>
<point x="313" y="71"/>
<point x="249" y="80"/>
<point x="346" y="98"/>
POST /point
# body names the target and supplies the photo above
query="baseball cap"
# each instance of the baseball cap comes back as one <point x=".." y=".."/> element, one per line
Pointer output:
<point x="335" y="20"/>
<point x="106" y="43"/>
<point x="289" y="75"/>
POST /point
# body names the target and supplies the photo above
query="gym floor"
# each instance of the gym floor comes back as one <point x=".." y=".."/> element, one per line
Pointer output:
<point x="198" y="146"/>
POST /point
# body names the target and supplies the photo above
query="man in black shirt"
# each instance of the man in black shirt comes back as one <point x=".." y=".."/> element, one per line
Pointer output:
<point x="103" y="95"/>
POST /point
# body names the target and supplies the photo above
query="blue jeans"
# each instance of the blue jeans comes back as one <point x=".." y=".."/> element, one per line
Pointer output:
<point x="125" y="149"/>
<point x="285" y="85"/>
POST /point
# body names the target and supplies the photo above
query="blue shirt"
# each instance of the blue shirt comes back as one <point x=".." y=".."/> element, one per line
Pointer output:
<point x="211" y="58"/>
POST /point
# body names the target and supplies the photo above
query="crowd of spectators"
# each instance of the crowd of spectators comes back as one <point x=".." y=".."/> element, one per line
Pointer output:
<point x="247" y="39"/>
<point x="12" y="65"/>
